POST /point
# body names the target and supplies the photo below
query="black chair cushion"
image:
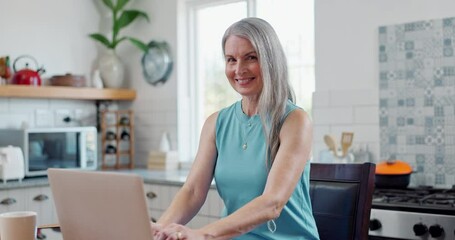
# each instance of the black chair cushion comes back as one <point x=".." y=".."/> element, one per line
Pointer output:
<point x="334" y="218"/>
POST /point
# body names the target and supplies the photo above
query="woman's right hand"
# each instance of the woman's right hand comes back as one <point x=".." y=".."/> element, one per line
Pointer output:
<point x="156" y="227"/>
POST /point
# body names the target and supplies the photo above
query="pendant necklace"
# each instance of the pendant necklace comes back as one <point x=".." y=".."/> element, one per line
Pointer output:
<point x="244" y="136"/>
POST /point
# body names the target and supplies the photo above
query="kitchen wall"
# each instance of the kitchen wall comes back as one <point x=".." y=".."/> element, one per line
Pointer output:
<point x="347" y="63"/>
<point x="55" y="33"/>
<point x="346" y="97"/>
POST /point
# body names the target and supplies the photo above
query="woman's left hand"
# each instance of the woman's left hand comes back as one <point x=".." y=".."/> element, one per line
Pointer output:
<point x="178" y="232"/>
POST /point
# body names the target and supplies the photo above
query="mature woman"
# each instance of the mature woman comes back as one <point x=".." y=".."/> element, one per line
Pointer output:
<point x="257" y="150"/>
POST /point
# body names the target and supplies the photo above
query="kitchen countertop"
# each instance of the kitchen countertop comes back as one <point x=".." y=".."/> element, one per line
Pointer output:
<point x="170" y="177"/>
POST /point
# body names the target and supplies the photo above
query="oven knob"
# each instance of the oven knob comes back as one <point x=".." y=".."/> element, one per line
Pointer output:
<point x="420" y="229"/>
<point x="436" y="231"/>
<point x="375" y="224"/>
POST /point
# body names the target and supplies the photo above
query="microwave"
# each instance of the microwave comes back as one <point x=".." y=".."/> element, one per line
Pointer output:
<point x="43" y="148"/>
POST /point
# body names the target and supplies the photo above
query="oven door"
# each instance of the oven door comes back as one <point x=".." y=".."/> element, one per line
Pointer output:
<point x="395" y="224"/>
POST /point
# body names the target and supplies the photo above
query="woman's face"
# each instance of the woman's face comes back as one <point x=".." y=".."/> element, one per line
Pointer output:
<point x="242" y="66"/>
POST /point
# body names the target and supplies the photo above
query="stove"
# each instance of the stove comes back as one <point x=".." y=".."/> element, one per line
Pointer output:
<point x="413" y="213"/>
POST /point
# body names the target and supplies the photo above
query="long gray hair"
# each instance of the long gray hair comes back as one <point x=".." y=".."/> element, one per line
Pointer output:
<point x="276" y="89"/>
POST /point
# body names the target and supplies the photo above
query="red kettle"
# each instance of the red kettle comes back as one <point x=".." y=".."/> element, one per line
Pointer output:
<point x="27" y="76"/>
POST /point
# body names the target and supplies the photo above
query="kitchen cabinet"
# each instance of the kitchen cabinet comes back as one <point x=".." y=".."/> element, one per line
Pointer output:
<point x="37" y="199"/>
<point x="159" y="196"/>
<point x="54" y="92"/>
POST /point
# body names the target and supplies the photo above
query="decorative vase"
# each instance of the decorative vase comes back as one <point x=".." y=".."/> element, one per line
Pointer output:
<point x="112" y="69"/>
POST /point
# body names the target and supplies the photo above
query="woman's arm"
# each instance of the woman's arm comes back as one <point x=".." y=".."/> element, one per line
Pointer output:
<point x="192" y="195"/>
<point x="296" y="139"/>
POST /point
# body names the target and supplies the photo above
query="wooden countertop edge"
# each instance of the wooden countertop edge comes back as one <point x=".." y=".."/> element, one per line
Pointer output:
<point x="66" y="92"/>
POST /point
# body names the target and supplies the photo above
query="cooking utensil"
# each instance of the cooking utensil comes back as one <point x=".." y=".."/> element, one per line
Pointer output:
<point x="27" y="76"/>
<point x="393" y="174"/>
<point x="331" y="143"/>
<point x="346" y="142"/>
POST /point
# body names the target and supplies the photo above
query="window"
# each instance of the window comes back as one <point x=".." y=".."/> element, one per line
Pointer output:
<point x="206" y="89"/>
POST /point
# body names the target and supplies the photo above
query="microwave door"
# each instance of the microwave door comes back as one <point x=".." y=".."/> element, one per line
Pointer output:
<point x="53" y="150"/>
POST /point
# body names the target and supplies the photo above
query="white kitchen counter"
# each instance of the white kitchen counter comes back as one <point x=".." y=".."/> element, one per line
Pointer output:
<point x="171" y="177"/>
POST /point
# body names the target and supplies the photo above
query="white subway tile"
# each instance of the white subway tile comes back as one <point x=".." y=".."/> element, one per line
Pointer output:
<point x="362" y="132"/>
<point x="321" y="99"/>
<point x="354" y="97"/>
<point x="4" y="104"/>
<point x="366" y="114"/>
<point x="319" y="132"/>
<point x="17" y="120"/>
<point x="333" y="115"/>
<point x="23" y="105"/>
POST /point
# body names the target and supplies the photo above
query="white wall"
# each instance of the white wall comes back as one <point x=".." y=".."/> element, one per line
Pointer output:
<point x="155" y="106"/>
<point x="55" y="33"/>
<point x="346" y="39"/>
<point x="346" y="97"/>
<point x="52" y="31"/>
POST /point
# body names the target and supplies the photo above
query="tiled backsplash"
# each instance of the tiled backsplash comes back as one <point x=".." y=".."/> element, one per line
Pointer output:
<point x="417" y="97"/>
<point x="152" y="118"/>
<point x="19" y="112"/>
<point x="353" y="110"/>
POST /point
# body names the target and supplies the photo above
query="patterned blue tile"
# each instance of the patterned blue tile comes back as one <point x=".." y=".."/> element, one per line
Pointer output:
<point x="417" y="96"/>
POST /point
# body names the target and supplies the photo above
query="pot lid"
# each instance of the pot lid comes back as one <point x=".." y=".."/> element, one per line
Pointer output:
<point x="393" y="167"/>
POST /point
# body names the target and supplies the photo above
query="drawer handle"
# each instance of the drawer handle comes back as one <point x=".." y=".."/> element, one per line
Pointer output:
<point x="8" y="201"/>
<point x="40" y="198"/>
<point x="151" y="195"/>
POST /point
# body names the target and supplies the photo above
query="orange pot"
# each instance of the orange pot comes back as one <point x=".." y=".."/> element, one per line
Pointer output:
<point x="393" y="174"/>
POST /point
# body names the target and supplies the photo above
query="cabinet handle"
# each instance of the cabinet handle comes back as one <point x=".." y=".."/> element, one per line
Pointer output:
<point x="8" y="201"/>
<point x="151" y="195"/>
<point x="40" y="198"/>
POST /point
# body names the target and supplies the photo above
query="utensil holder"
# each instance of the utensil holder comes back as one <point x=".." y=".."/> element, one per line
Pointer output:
<point x="327" y="156"/>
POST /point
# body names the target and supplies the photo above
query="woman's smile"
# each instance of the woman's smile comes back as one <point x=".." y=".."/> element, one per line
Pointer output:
<point x="242" y="66"/>
<point x="244" y="81"/>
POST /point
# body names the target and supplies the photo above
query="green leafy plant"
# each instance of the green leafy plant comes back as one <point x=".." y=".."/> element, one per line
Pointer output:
<point x="120" y="19"/>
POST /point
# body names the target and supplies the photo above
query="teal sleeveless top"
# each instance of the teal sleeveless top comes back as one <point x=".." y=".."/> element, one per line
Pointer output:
<point x="241" y="175"/>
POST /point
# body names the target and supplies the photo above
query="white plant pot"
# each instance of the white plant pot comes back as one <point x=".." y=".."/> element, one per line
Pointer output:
<point x="112" y="70"/>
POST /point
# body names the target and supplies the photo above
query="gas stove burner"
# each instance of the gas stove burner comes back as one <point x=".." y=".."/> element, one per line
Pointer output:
<point x="440" y="199"/>
<point x="421" y="197"/>
<point x="423" y="212"/>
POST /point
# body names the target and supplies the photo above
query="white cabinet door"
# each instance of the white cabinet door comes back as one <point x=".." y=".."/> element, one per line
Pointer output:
<point x="210" y="211"/>
<point x="12" y="200"/>
<point x="40" y="200"/>
<point x="154" y="195"/>
<point x="159" y="197"/>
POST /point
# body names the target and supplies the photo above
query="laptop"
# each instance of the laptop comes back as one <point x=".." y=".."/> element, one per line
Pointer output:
<point x="94" y="205"/>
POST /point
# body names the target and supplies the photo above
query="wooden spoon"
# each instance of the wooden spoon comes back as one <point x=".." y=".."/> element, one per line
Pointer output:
<point x="331" y="143"/>
<point x="346" y="142"/>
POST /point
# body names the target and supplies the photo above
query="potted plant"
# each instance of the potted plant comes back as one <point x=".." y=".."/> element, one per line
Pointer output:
<point x="110" y="66"/>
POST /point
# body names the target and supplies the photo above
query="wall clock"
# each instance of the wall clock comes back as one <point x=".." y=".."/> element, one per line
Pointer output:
<point x="157" y="63"/>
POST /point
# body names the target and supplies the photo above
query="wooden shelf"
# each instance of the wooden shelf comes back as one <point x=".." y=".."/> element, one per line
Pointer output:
<point x="55" y="92"/>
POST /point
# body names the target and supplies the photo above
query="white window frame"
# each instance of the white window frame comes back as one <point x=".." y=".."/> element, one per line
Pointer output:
<point x="189" y="88"/>
<point x="189" y="100"/>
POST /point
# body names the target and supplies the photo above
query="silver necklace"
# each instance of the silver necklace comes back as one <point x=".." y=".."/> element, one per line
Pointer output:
<point x="245" y="136"/>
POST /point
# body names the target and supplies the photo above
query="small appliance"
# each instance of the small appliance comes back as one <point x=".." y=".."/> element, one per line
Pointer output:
<point x="43" y="148"/>
<point x="11" y="163"/>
